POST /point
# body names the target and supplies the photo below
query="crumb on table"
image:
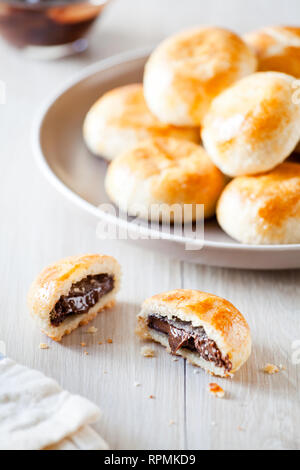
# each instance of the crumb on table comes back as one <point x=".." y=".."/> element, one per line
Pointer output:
<point x="270" y="369"/>
<point x="109" y="340"/>
<point x="92" y="330"/>
<point x="82" y="345"/>
<point x="216" y="390"/>
<point x="43" y="346"/>
<point x="146" y="351"/>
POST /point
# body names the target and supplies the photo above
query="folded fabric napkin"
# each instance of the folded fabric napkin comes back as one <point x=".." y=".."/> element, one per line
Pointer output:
<point x="35" y="413"/>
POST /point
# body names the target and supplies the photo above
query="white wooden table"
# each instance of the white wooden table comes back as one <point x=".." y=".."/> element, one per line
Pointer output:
<point x="38" y="227"/>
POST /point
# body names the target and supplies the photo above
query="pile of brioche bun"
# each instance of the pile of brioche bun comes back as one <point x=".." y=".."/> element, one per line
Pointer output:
<point x="216" y="122"/>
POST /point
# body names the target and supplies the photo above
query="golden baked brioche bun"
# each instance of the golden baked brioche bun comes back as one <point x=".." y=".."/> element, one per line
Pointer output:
<point x="189" y="69"/>
<point x="120" y="119"/>
<point x="164" y="172"/>
<point x="254" y="125"/>
<point x="263" y="209"/>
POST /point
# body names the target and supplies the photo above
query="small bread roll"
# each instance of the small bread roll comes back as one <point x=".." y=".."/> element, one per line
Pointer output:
<point x="72" y="291"/>
<point x="163" y="172"/>
<point x="263" y="209"/>
<point x="277" y="49"/>
<point x="254" y="125"/>
<point x="188" y="70"/>
<point x="203" y="328"/>
<point x="120" y="119"/>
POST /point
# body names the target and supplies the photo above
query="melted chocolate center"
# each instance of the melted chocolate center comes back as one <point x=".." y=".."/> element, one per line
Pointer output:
<point x="183" y="335"/>
<point x="82" y="296"/>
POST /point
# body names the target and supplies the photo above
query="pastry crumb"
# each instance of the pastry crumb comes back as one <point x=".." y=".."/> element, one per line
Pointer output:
<point x="86" y="353"/>
<point x="136" y="384"/>
<point x="282" y="367"/>
<point x="171" y="422"/>
<point x="270" y="369"/>
<point x="175" y="359"/>
<point x="92" y="330"/>
<point x="216" y="390"/>
<point x="99" y="342"/>
<point x="109" y="340"/>
<point x="152" y="397"/>
<point x="43" y="346"/>
<point x="105" y="372"/>
<point x="82" y="345"/>
<point x="241" y="429"/>
<point x="147" y="352"/>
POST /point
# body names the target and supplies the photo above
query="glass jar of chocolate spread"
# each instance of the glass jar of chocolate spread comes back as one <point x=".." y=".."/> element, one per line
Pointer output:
<point x="49" y="25"/>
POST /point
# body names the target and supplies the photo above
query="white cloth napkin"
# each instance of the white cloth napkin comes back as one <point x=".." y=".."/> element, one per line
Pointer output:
<point x="35" y="413"/>
<point x="84" y="439"/>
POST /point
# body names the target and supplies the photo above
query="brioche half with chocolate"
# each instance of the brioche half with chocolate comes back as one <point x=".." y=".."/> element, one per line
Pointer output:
<point x="263" y="209"/>
<point x="277" y="48"/>
<point x="188" y="70"/>
<point x="162" y="177"/>
<point x="203" y="328"/>
<point x="254" y="125"/>
<point x="120" y="119"/>
<point x="72" y="292"/>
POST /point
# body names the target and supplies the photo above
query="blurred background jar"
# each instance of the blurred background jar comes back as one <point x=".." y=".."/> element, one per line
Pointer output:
<point x="49" y="28"/>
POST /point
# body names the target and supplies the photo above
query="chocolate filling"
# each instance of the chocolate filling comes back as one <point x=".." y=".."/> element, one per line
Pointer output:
<point x="183" y="335"/>
<point x="82" y="296"/>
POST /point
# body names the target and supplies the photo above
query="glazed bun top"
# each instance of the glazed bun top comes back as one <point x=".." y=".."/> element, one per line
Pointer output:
<point x="189" y="69"/>
<point x="254" y="125"/>
<point x="120" y="119"/>
<point x="164" y="171"/>
<point x="263" y="209"/>
<point x="277" y="48"/>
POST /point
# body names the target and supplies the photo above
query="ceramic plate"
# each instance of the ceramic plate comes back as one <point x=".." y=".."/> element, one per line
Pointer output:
<point x="79" y="176"/>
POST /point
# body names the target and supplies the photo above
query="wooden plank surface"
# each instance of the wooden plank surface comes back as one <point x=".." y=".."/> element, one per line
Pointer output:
<point x="38" y="226"/>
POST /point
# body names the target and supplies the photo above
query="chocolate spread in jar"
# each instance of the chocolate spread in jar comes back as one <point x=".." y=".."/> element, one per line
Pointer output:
<point x="46" y="22"/>
<point x="183" y="335"/>
<point x="82" y="296"/>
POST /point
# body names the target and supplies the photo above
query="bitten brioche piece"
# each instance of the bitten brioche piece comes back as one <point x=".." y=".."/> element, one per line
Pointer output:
<point x="203" y="328"/>
<point x="189" y="69"/>
<point x="160" y="173"/>
<point x="120" y="119"/>
<point x="263" y="209"/>
<point x="72" y="292"/>
<point x="253" y="126"/>
<point x="277" y="48"/>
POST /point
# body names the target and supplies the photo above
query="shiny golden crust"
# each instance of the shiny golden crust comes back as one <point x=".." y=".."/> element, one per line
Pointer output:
<point x="263" y="209"/>
<point x="120" y="119"/>
<point x="277" y="49"/>
<point x="222" y="322"/>
<point x="254" y="125"/>
<point x="57" y="279"/>
<point x="164" y="171"/>
<point x="189" y="69"/>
